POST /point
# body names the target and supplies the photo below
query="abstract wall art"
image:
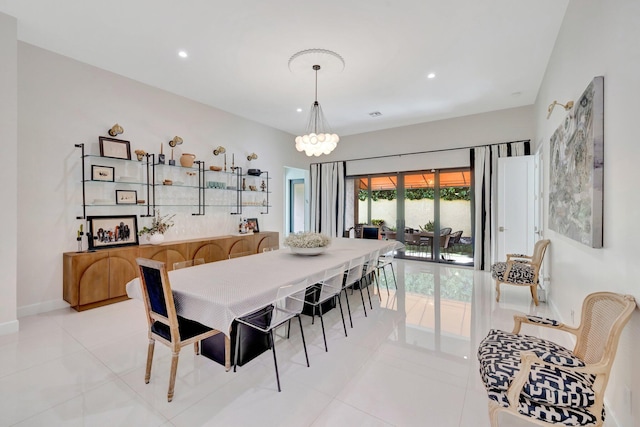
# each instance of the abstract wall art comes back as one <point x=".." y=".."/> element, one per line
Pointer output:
<point x="576" y="175"/>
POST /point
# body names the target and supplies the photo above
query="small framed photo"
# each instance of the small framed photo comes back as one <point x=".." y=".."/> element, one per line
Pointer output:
<point x="112" y="231"/>
<point x="115" y="148"/>
<point x="126" y="197"/>
<point x="252" y="225"/>
<point x="102" y="173"/>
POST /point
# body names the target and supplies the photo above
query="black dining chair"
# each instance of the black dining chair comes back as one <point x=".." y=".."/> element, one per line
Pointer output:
<point x="288" y="304"/>
<point x="329" y="288"/>
<point x="164" y="323"/>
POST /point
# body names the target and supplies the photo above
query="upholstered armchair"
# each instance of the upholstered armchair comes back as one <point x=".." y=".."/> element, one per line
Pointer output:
<point x="521" y="270"/>
<point x="545" y="383"/>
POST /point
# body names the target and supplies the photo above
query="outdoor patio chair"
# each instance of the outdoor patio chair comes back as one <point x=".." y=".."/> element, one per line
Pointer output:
<point x="521" y="270"/>
<point x="164" y="324"/>
<point x="544" y="383"/>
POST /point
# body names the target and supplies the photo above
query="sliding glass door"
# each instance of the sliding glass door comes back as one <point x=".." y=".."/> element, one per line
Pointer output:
<point x="430" y="211"/>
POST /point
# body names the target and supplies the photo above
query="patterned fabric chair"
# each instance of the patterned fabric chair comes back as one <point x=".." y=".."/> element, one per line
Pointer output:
<point x="545" y="383"/>
<point x="521" y="270"/>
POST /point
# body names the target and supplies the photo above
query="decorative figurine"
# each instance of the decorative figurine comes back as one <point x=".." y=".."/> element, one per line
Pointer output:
<point x="161" y="156"/>
<point x="244" y="184"/>
<point x="263" y="186"/>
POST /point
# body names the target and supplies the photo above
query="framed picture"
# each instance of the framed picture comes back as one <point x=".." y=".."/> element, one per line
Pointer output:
<point x="126" y="197"/>
<point x="252" y="225"/>
<point x="112" y="231"/>
<point x="102" y="173"/>
<point x="577" y="170"/>
<point x="115" y="148"/>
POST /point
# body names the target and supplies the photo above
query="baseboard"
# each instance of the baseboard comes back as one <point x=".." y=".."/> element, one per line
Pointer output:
<point x="41" y="307"/>
<point x="9" y="327"/>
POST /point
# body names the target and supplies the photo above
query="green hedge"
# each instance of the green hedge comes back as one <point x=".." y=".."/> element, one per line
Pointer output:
<point x="449" y="193"/>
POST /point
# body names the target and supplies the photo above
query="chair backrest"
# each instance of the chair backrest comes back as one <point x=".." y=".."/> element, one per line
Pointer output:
<point x="157" y="296"/>
<point x="445" y="241"/>
<point x="372" y="262"/>
<point x="412" y="238"/>
<point x="188" y="263"/>
<point x="332" y="283"/>
<point x="354" y="272"/>
<point x="604" y="315"/>
<point x="391" y="235"/>
<point x="289" y="302"/>
<point x="370" y="232"/>
<point x="445" y="231"/>
<point x="239" y="254"/>
<point x="455" y="238"/>
<point x="538" y="251"/>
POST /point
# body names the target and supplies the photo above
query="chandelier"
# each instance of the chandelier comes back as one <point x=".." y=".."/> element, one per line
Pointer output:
<point x="318" y="139"/>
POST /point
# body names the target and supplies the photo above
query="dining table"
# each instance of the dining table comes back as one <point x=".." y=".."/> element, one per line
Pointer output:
<point x="217" y="293"/>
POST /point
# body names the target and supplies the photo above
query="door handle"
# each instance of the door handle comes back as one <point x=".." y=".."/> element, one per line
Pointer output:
<point x="501" y="229"/>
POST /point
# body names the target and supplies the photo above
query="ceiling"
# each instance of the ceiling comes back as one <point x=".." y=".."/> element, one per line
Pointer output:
<point x="486" y="55"/>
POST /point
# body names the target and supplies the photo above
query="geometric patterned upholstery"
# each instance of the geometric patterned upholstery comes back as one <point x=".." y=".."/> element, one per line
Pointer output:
<point x="550" y="393"/>
<point x="520" y="272"/>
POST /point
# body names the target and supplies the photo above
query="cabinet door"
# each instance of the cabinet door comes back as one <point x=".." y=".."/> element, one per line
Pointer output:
<point x="267" y="240"/>
<point x="242" y="245"/>
<point x="166" y="253"/>
<point x="93" y="283"/>
<point x="122" y="269"/>
<point x="210" y="251"/>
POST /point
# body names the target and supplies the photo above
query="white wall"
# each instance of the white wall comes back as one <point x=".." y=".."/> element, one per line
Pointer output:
<point x="63" y="102"/>
<point x="478" y="129"/>
<point x="600" y="37"/>
<point x="8" y="172"/>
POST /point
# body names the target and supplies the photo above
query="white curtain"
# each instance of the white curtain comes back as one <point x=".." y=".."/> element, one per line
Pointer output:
<point x="328" y="198"/>
<point x="485" y="177"/>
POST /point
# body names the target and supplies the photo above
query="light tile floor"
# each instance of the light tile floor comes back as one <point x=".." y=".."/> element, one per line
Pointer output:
<point x="411" y="362"/>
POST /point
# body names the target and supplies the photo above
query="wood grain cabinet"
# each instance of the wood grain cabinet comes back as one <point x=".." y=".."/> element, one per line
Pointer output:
<point x="93" y="279"/>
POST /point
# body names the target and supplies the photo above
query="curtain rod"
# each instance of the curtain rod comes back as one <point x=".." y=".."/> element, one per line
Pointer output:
<point x="421" y="152"/>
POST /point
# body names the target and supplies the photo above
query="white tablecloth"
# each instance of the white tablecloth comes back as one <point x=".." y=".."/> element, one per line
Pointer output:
<point x="216" y="293"/>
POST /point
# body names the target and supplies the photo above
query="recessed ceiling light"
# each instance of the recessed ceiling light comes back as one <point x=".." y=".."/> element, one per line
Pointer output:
<point x="516" y="93"/>
<point x="299" y="110"/>
<point x="183" y="54"/>
<point x="431" y="75"/>
<point x="375" y="114"/>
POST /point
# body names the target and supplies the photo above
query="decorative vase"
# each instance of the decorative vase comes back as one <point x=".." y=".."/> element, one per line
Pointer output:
<point x="186" y="160"/>
<point x="139" y="156"/>
<point x="156" y="239"/>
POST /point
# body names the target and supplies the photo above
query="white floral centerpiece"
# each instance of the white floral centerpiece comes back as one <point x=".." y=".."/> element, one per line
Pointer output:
<point x="159" y="226"/>
<point x="307" y="243"/>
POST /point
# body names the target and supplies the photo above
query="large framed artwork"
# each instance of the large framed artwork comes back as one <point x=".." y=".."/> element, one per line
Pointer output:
<point x="577" y="169"/>
<point x="112" y="231"/>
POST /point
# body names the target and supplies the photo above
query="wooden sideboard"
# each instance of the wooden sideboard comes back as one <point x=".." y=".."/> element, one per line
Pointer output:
<point x="93" y="279"/>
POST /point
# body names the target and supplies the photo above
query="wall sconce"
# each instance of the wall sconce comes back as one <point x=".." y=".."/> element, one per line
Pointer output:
<point x="566" y="107"/>
<point x="219" y="150"/>
<point x="252" y="156"/>
<point x="175" y="141"/>
<point x="115" y="130"/>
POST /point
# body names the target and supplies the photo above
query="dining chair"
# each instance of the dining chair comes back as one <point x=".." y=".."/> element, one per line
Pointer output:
<point x="188" y="263"/>
<point x="239" y="254"/>
<point x="319" y="293"/>
<point x="288" y="304"/>
<point x="384" y="261"/>
<point x="164" y="324"/>
<point x="545" y="383"/>
<point x="351" y="277"/>
<point x="521" y="270"/>
<point x="368" y="276"/>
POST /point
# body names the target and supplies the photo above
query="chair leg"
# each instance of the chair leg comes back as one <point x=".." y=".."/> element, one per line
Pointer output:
<point x="172" y="377"/>
<point x="304" y="344"/>
<point x="344" y="325"/>
<point x="288" y="328"/>
<point x="363" y="304"/>
<point x="386" y="281"/>
<point x="324" y="336"/>
<point x="369" y="295"/>
<point x="494" y="411"/>
<point x="534" y="293"/>
<point x="196" y="347"/>
<point x="346" y="297"/>
<point x="395" y="282"/>
<point x="275" y="359"/>
<point x="147" y="375"/>
<point x="497" y="291"/>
